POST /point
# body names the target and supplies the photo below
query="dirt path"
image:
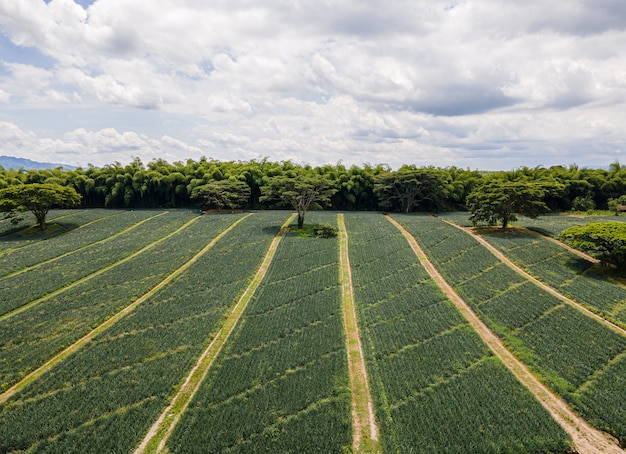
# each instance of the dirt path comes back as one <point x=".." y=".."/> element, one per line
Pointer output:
<point x="587" y="440"/>
<point x="364" y="428"/>
<point x="504" y="259"/>
<point x="114" y="319"/>
<point x="157" y="436"/>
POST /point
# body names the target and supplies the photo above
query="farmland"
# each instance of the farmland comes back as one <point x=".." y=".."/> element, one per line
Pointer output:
<point x="429" y="370"/>
<point x="153" y="289"/>
<point x="570" y="351"/>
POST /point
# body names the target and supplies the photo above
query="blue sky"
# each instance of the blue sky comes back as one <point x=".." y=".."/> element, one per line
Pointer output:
<point x="484" y="84"/>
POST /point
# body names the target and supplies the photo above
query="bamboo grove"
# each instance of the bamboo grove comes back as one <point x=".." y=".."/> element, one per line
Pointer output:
<point x="159" y="184"/>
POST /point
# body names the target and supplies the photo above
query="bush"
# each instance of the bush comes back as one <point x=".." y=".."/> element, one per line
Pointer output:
<point x="325" y="231"/>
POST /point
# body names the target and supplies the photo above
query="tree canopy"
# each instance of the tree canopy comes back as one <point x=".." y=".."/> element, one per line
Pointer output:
<point x="299" y="192"/>
<point x="161" y="184"/>
<point x="604" y="240"/>
<point x="408" y="189"/>
<point x="38" y="198"/>
<point x="499" y="201"/>
<point x="229" y="194"/>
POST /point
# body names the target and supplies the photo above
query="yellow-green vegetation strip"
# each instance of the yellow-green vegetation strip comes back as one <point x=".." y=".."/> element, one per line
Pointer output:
<point x="364" y="428"/>
<point x="118" y="316"/>
<point x="157" y="436"/>
<point x="587" y="439"/>
<point x="100" y="271"/>
<point x="73" y="251"/>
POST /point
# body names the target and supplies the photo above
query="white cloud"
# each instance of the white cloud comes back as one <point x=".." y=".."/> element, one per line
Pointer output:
<point x="484" y="82"/>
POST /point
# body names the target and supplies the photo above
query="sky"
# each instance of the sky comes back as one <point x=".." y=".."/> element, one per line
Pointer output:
<point x="479" y="84"/>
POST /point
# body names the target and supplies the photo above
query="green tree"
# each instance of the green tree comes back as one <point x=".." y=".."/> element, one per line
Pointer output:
<point x="604" y="240"/>
<point x="300" y="192"/>
<point x="38" y="198"/>
<point x="616" y="204"/>
<point x="500" y="201"/>
<point x="222" y="194"/>
<point x="409" y="188"/>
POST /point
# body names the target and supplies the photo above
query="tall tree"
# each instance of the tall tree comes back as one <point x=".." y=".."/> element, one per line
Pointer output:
<point x="410" y="188"/>
<point x="222" y="194"/>
<point x="300" y="192"/>
<point x="604" y="240"/>
<point x="499" y="201"/>
<point x="38" y="198"/>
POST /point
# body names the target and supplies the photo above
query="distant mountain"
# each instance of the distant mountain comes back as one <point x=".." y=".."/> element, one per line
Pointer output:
<point x="10" y="162"/>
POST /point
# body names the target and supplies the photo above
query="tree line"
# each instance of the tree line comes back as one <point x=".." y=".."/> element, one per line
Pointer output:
<point x="256" y="184"/>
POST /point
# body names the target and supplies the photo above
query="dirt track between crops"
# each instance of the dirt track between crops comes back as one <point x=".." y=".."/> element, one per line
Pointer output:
<point x="586" y="439"/>
<point x="365" y="430"/>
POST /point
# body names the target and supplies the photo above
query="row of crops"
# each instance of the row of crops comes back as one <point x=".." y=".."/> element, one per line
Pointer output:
<point x="59" y="222"/>
<point x="565" y="271"/>
<point x="281" y="383"/>
<point x="19" y="289"/>
<point x="29" y="337"/>
<point x="105" y="397"/>
<point x="575" y="354"/>
<point x="437" y="387"/>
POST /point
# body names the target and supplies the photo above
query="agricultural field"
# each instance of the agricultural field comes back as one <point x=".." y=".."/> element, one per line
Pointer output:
<point x="105" y="397"/>
<point x="550" y="224"/>
<point x="104" y="321"/>
<point x="569" y="350"/>
<point x="281" y="384"/>
<point x="434" y="381"/>
<point x="567" y="272"/>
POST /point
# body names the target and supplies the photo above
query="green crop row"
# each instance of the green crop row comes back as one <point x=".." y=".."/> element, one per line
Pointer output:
<point x="105" y="397"/>
<point x="30" y="337"/>
<point x="565" y="271"/>
<point x="281" y="382"/>
<point x="19" y="289"/>
<point x="65" y="219"/>
<point x="97" y="230"/>
<point x="431" y="374"/>
<point x="567" y="348"/>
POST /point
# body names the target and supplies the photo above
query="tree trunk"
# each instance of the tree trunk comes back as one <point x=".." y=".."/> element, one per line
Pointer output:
<point x="41" y="219"/>
<point x="300" y="219"/>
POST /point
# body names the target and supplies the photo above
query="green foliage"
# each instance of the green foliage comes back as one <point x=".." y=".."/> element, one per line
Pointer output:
<point x="301" y="193"/>
<point x="585" y="203"/>
<point x="229" y="194"/>
<point x="316" y="230"/>
<point x="603" y="240"/>
<point x="38" y="198"/>
<point x="617" y="204"/>
<point x="409" y="189"/>
<point x="499" y="201"/>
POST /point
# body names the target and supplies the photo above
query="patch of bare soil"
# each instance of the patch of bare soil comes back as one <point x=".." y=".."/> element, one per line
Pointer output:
<point x="587" y="440"/>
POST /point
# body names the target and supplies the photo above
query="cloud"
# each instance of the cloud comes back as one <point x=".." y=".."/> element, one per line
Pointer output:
<point x="364" y="81"/>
